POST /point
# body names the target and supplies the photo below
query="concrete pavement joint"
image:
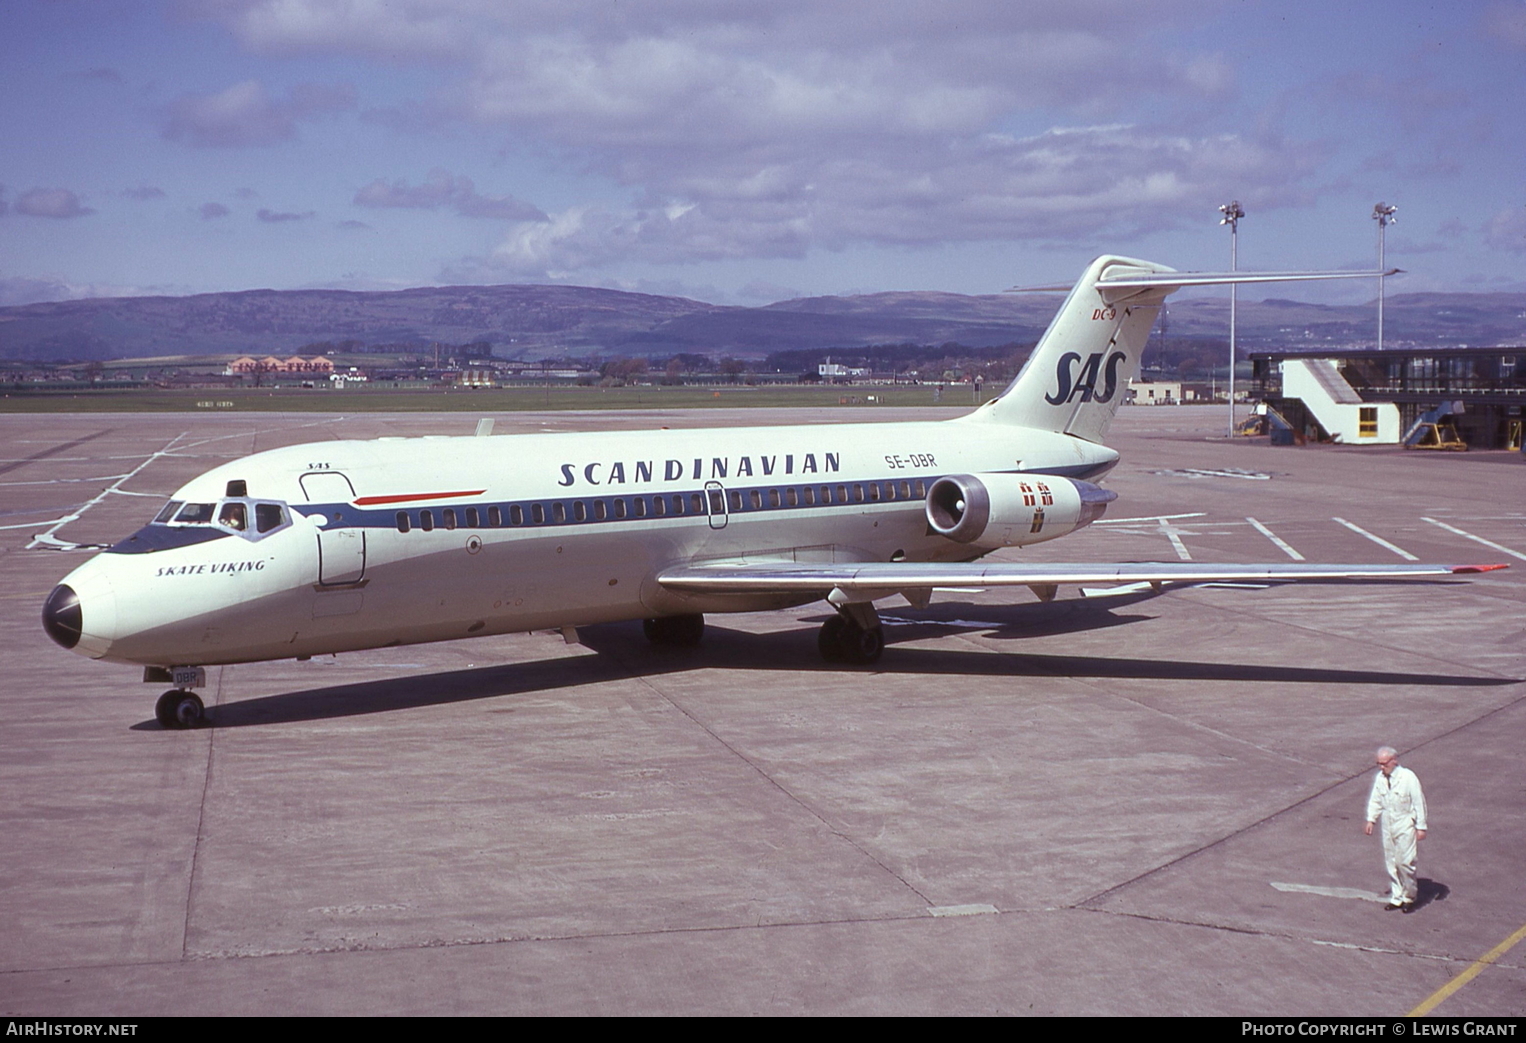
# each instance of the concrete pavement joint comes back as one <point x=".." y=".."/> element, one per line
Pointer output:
<point x="1099" y="896"/>
<point x="798" y="801"/>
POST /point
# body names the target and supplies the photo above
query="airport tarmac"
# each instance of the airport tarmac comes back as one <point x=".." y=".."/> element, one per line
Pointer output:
<point x="1131" y="805"/>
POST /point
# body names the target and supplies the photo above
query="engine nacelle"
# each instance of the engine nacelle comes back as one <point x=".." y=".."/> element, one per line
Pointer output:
<point x="1009" y="510"/>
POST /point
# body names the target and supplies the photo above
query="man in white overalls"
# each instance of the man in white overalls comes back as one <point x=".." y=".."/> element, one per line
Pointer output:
<point x="1397" y="798"/>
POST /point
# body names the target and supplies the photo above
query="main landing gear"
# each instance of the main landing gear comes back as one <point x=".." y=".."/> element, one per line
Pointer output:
<point x="179" y="708"/>
<point x="675" y="631"/>
<point x="853" y="636"/>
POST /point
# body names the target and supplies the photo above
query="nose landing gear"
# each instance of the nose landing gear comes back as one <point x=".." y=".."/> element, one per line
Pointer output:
<point x="178" y="708"/>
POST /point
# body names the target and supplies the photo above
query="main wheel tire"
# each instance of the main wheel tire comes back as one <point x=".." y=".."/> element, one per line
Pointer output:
<point x="675" y="631"/>
<point x="862" y="647"/>
<point x="688" y="630"/>
<point x="164" y="709"/>
<point x="189" y="711"/>
<point x="829" y="642"/>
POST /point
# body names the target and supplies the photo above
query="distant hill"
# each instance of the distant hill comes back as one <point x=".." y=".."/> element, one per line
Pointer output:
<point x="535" y="322"/>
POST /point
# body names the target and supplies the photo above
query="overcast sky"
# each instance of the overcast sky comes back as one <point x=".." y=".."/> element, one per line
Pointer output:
<point x="745" y="151"/>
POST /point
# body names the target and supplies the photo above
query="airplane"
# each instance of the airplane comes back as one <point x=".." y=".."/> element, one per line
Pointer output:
<point x="347" y="545"/>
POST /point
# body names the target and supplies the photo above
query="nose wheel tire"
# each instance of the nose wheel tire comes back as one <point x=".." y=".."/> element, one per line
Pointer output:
<point x="179" y="709"/>
<point x="844" y="641"/>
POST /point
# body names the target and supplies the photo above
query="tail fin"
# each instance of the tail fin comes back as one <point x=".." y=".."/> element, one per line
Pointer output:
<point x="1079" y="372"/>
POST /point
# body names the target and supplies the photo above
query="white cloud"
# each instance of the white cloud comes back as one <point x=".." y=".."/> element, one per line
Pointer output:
<point x="51" y="202"/>
<point x="446" y="189"/>
<point x="768" y="128"/>
<point x="1506" y="230"/>
<point x="245" y="114"/>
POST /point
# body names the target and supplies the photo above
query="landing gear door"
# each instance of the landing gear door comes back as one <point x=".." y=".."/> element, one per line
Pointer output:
<point x="341" y="547"/>
<point x="715" y="504"/>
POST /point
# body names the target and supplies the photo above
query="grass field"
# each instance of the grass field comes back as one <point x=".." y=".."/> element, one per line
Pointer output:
<point x="496" y="400"/>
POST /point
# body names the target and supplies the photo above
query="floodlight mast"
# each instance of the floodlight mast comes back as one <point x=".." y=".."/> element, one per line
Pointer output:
<point x="1383" y="214"/>
<point x="1232" y="212"/>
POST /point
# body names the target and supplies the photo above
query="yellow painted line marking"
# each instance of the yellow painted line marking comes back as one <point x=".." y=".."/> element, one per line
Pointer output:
<point x="1473" y="971"/>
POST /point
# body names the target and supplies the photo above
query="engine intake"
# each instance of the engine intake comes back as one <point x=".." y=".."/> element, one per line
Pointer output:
<point x="1011" y="510"/>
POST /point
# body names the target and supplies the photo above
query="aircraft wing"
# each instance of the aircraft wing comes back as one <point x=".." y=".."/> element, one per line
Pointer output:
<point x="865" y="581"/>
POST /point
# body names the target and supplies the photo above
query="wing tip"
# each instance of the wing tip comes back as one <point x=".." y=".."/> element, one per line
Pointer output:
<point x="1477" y="568"/>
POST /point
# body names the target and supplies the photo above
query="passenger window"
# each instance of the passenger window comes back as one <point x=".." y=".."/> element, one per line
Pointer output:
<point x="921" y="488"/>
<point x="600" y="510"/>
<point x="619" y="508"/>
<point x="826" y="494"/>
<point x="756" y="497"/>
<point x="736" y="500"/>
<point x="450" y="517"/>
<point x="890" y="490"/>
<point x="516" y="515"/>
<point x="495" y="517"/>
<point x="269" y="516"/>
<point x="472" y="518"/>
<point x="426" y="520"/>
<point x="234" y="516"/>
<point x="809" y="493"/>
<point x="402" y="521"/>
<point x="697" y="502"/>
<point x="659" y="505"/>
<point x="842" y="494"/>
<point x="579" y="511"/>
<point x="905" y="490"/>
<point x="168" y="512"/>
<point x="538" y="513"/>
<point x="773" y="497"/>
<point x="792" y="497"/>
<point x="638" y="506"/>
<point x="858" y="494"/>
<point x="874" y="492"/>
<point x="558" y="511"/>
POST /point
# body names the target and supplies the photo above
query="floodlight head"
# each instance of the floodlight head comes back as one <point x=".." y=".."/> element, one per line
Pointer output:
<point x="1383" y="213"/>
<point x="1232" y="212"/>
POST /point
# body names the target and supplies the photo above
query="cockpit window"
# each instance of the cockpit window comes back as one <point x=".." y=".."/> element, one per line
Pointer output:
<point x="195" y="514"/>
<point x="233" y="515"/>
<point x="269" y="516"/>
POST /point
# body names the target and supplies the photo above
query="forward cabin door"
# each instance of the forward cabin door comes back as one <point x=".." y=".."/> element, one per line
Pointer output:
<point x="715" y="505"/>
<point x="341" y="545"/>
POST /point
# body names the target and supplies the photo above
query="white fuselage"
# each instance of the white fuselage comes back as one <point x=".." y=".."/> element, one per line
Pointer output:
<point x="399" y="541"/>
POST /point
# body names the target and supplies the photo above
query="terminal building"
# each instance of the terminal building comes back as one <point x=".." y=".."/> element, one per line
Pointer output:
<point x="1475" y="395"/>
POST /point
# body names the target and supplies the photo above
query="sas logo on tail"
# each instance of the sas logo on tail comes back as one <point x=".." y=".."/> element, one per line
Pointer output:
<point x="1068" y="384"/>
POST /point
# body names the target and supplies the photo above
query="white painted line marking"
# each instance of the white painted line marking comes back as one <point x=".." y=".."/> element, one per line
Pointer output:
<point x="33" y="525"/>
<point x="1476" y="539"/>
<point x="47" y="539"/>
<point x="1380" y="541"/>
<point x="1276" y="540"/>
<point x="1333" y="892"/>
<point x="1152" y="518"/>
<point x="979" y="909"/>
<point x="1170" y="532"/>
<point x="1110" y="592"/>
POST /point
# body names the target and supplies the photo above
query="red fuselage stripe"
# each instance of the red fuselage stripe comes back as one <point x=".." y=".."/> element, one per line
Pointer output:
<point x="377" y="501"/>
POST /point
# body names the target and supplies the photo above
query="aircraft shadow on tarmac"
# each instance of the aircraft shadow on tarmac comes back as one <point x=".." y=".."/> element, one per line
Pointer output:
<point x="623" y="653"/>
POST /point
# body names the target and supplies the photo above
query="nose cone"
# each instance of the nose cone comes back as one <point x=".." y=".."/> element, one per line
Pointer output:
<point x="62" y="617"/>
<point x="81" y="613"/>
